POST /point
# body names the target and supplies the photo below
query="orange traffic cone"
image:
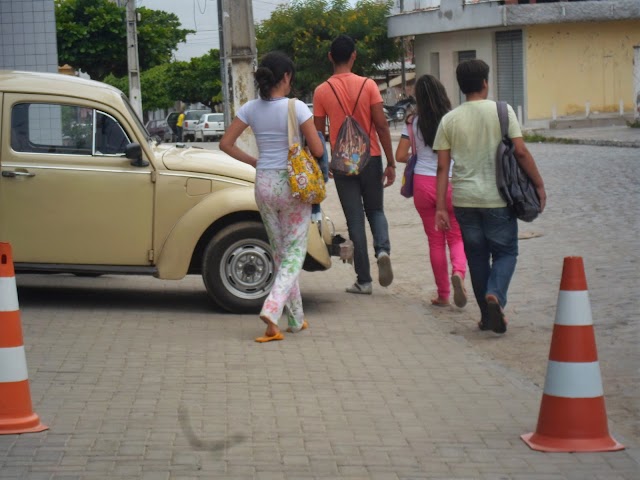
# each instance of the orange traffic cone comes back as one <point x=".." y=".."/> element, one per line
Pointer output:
<point x="572" y="412"/>
<point x="16" y="414"/>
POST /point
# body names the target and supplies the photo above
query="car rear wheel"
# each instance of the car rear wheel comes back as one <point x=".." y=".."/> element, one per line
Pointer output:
<point x="238" y="267"/>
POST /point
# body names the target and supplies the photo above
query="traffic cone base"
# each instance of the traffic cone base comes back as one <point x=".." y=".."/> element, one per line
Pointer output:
<point x="568" y="425"/>
<point x="16" y="414"/>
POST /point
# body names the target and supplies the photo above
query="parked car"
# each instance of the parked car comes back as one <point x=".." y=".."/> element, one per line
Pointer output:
<point x="191" y="119"/>
<point x="160" y="129"/>
<point x="86" y="190"/>
<point x="210" y="126"/>
<point x="172" y="119"/>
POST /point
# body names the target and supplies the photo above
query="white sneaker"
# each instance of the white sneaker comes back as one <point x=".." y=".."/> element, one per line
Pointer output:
<point x="361" y="288"/>
<point x="385" y="273"/>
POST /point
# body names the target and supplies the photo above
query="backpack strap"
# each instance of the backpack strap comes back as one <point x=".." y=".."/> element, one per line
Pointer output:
<point x="503" y="116"/>
<point x="355" y="104"/>
<point x="412" y="138"/>
<point x="293" y="130"/>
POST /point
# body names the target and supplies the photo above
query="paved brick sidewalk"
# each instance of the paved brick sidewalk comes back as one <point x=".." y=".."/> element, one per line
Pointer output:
<point x="138" y="378"/>
<point x="134" y="386"/>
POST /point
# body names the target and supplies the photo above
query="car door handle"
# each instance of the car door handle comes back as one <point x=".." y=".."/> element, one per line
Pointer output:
<point x="13" y="174"/>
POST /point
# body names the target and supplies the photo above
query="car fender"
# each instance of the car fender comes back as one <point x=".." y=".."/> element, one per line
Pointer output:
<point x="175" y="256"/>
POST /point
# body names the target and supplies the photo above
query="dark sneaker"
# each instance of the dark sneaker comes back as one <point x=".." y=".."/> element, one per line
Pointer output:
<point x="483" y="325"/>
<point x="496" y="321"/>
<point x="385" y="273"/>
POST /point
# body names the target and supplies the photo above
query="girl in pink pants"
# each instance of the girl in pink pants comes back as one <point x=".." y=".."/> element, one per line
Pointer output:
<point x="424" y="198"/>
<point x="432" y="105"/>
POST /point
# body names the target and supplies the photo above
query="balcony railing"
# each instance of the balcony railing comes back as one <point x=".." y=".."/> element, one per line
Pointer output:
<point x="415" y="5"/>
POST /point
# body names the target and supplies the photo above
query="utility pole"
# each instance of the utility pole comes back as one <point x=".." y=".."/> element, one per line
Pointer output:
<point x="135" y="96"/>
<point x="402" y="68"/>
<point x="238" y="61"/>
<point x="636" y="82"/>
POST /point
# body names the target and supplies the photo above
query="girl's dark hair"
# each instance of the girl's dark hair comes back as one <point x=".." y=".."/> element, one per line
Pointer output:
<point x="271" y="71"/>
<point x="433" y="103"/>
<point x="470" y="75"/>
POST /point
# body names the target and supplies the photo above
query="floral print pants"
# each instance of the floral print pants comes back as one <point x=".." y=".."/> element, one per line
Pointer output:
<point x="287" y="222"/>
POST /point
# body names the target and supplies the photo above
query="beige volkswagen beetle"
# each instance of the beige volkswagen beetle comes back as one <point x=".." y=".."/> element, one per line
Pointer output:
<point x="85" y="189"/>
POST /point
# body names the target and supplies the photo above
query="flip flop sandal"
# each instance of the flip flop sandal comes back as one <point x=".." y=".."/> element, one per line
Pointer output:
<point x="265" y="339"/>
<point x="459" y="292"/>
<point x="304" y="326"/>
<point x="437" y="303"/>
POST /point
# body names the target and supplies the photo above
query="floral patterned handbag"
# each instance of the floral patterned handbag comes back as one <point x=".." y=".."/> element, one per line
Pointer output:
<point x="305" y="177"/>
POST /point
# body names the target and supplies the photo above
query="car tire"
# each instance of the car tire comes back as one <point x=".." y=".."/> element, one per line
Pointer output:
<point x="238" y="267"/>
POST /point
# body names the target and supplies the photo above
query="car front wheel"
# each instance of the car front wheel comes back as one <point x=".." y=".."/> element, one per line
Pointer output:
<point x="238" y="267"/>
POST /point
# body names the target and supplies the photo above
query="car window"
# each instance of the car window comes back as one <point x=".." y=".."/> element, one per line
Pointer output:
<point x="65" y="129"/>
<point x="215" y="117"/>
<point x="110" y="138"/>
<point x="193" y="114"/>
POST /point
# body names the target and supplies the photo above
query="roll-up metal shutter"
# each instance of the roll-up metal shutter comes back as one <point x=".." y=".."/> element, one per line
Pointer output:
<point x="510" y="68"/>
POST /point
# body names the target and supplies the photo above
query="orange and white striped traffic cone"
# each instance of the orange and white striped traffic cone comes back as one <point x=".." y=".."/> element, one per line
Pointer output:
<point x="572" y="412"/>
<point x="16" y="413"/>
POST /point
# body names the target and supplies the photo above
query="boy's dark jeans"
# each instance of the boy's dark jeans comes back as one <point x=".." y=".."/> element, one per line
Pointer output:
<point x="359" y="195"/>
<point x="490" y="237"/>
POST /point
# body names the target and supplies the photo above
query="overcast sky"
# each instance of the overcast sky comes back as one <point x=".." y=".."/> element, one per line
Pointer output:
<point x="202" y="16"/>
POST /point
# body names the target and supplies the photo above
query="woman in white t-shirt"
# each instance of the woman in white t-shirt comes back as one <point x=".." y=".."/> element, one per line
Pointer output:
<point x="285" y="218"/>
<point x="432" y="105"/>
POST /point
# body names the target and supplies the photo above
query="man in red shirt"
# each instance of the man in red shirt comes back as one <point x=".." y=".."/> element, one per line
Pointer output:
<point x="359" y="194"/>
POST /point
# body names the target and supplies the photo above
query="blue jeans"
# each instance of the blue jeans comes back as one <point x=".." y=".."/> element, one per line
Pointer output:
<point x="490" y="237"/>
<point x="359" y="195"/>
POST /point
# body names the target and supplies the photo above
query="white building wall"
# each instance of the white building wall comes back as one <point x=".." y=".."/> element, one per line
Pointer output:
<point x="28" y="35"/>
<point x="447" y="46"/>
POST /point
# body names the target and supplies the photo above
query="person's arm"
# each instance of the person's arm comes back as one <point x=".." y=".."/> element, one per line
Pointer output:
<point x="528" y="164"/>
<point x="320" y="124"/>
<point x="442" y="185"/>
<point x="382" y="128"/>
<point x="402" y="152"/>
<point x="314" y="143"/>
<point x="228" y="142"/>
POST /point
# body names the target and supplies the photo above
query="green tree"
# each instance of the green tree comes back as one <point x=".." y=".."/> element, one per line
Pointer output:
<point x="304" y="30"/>
<point x="92" y="36"/>
<point x="197" y="80"/>
<point x="153" y="85"/>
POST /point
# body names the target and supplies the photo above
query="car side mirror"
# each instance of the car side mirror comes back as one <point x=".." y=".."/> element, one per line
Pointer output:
<point x="133" y="152"/>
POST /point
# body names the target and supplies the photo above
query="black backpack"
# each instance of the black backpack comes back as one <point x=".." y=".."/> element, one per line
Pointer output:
<point x="352" y="149"/>
<point x="513" y="183"/>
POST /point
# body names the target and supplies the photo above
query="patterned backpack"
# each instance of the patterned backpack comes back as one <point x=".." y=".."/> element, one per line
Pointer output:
<point x="352" y="149"/>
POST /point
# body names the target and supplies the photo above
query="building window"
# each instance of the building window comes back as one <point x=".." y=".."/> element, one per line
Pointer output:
<point x="435" y="64"/>
<point x="463" y="56"/>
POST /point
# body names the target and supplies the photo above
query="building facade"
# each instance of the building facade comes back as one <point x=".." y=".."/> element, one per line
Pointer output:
<point x="549" y="59"/>
<point x="28" y="35"/>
